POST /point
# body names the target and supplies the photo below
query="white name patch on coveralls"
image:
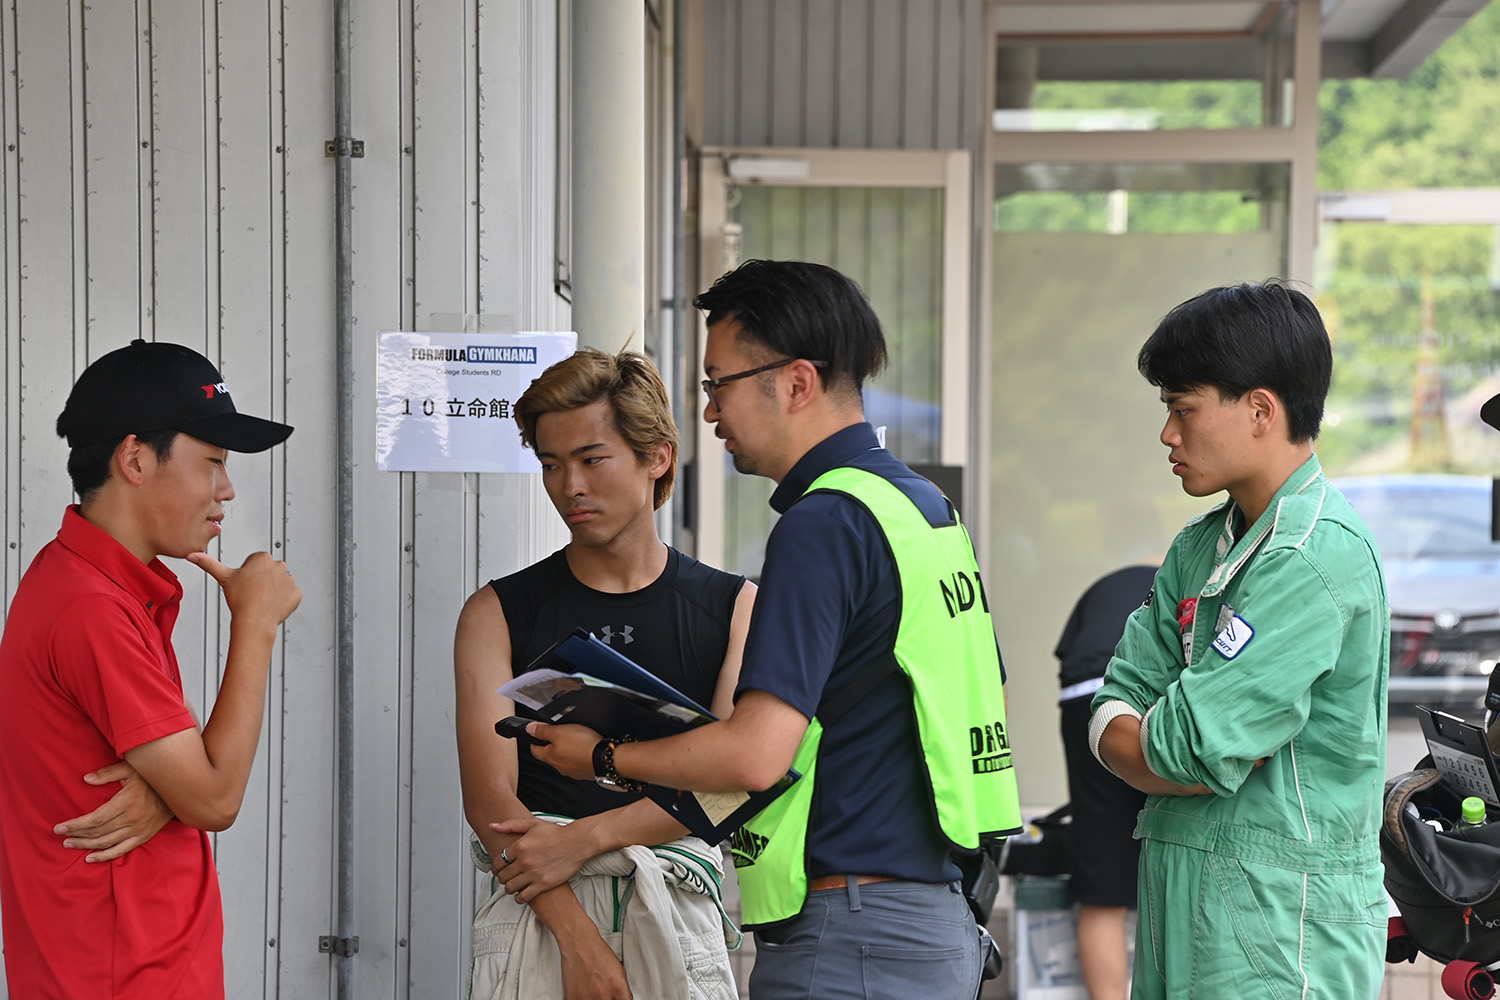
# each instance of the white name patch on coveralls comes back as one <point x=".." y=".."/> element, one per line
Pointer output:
<point x="1236" y="635"/>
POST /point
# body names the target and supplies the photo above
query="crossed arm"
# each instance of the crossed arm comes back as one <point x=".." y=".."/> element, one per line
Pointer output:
<point x="201" y="775"/>
<point x="1120" y="751"/>
<point x="198" y="775"/>
<point x="132" y="816"/>
<point x="544" y="856"/>
<point x="1212" y="724"/>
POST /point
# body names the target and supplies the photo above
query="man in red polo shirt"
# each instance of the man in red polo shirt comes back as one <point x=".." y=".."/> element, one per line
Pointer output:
<point x="89" y="677"/>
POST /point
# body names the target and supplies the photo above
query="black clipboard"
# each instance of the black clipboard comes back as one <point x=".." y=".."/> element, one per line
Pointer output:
<point x="638" y="704"/>
<point x="1461" y="752"/>
<point x="643" y="706"/>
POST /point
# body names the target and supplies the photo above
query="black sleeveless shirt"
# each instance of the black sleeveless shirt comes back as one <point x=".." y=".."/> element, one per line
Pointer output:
<point x="677" y="627"/>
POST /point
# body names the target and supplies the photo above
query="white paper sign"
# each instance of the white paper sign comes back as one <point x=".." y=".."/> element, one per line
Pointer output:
<point x="444" y="400"/>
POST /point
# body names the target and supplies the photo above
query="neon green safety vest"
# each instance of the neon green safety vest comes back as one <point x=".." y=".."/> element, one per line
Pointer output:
<point x="946" y="646"/>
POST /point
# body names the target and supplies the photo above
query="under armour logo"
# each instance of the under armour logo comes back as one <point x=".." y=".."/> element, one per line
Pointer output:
<point x="608" y="633"/>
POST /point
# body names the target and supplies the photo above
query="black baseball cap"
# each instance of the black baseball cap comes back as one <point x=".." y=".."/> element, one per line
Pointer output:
<point x="1490" y="411"/>
<point x="156" y="386"/>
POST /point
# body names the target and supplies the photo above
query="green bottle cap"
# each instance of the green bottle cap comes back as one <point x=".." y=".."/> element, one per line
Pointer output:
<point x="1473" y="810"/>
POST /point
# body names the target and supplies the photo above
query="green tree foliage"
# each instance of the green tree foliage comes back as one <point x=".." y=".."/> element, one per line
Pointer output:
<point x="1200" y="104"/>
<point x="1439" y="128"/>
<point x="1371" y="296"/>
<point x="1147" y="212"/>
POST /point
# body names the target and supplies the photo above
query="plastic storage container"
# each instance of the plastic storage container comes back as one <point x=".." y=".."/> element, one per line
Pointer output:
<point x="1046" y="950"/>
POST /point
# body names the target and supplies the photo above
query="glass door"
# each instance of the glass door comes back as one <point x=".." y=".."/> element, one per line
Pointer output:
<point x="897" y="223"/>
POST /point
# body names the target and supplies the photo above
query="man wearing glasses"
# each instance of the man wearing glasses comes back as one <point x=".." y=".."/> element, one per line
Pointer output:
<point x="871" y="667"/>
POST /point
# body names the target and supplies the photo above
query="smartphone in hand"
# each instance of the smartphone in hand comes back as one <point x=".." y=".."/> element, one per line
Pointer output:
<point x="514" y="728"/>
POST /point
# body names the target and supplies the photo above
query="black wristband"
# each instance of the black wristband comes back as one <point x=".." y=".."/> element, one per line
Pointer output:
<point x="599" y="764"/>
<point x="605" y="774"/>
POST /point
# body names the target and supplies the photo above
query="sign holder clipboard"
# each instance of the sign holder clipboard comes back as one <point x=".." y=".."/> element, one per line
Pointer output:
<point x="647" y="708"/>
<point x="1462" y="753"/>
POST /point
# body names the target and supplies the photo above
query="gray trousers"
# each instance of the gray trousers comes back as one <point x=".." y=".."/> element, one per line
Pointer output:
<point x="882" y="941"/>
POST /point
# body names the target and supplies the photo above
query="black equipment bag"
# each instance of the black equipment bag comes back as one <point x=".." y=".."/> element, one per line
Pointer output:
<point x="1048" y="852"/>
<point x="1446" y="883"/>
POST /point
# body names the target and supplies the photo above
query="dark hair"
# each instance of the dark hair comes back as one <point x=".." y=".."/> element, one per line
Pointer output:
<point x="800" y="310"/>
<point x="1243" y="337"/>
<point x="88" y="465"/>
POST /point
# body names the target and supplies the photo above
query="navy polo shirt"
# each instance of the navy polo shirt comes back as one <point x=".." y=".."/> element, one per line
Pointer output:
<point x="829" y="603"/>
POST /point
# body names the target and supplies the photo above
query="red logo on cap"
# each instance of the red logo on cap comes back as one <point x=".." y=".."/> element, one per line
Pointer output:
<point x="209" y="390"/>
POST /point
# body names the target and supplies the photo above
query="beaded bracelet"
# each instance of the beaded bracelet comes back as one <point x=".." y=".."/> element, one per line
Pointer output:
<point x="604" y="767"/>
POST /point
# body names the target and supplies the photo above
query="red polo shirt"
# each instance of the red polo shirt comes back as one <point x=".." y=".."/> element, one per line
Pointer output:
<point x="88" y="672"/>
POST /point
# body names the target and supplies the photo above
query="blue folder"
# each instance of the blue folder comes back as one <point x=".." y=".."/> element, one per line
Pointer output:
<point x="617" y="714"/>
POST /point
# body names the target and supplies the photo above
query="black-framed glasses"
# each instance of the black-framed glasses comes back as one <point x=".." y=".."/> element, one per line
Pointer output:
<point x="711" y="385"/>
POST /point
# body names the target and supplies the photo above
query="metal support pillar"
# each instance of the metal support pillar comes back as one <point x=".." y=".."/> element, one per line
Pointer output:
<point x="609" y="173"/>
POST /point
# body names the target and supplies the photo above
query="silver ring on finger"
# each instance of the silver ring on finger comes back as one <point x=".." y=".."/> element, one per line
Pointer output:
<point x="503" y="856"/>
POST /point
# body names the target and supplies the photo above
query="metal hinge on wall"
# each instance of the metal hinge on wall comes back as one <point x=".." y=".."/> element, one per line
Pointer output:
<point x="343" y="947"/>
<point x="342" y="146"/>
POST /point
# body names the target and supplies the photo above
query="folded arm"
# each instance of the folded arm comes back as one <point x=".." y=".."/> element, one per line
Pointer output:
<point x="202" y="775"/>
<point x="546" y="855"/>
<point x="1119" y="750"/>
<point x="1213" y="723"/>
<point x="488" y="775"/>
<point x="1225" y="714"/>
<point x="1146" y="662"/>
<point x="131" y="817"/>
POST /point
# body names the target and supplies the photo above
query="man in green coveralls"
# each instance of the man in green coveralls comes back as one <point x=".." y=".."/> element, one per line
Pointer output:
<point x="1248" y="694"/>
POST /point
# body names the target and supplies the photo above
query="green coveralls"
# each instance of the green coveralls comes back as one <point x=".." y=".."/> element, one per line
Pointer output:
<point x="1271" y="886"/>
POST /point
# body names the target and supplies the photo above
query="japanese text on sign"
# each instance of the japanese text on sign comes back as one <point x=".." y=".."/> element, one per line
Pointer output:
<point x="445" y="401"/>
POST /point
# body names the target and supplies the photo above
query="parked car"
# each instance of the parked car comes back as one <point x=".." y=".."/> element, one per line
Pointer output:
<point x="1443" y="577"/>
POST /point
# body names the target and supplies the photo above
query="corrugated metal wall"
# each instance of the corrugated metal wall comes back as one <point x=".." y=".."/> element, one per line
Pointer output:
<point x="859" y="74"/>
<point x="164" y="177"/>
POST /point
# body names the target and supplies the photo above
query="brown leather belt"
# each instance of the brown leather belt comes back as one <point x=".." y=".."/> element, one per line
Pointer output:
<point x="839" y="881"/>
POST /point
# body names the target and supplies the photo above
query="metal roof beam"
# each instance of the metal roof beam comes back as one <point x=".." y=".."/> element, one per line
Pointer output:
<point x="1416" y="206"/>
<point x="1216" y="59"/>
<point x="1414" y="32"/>
<point x="1346" y="60"/>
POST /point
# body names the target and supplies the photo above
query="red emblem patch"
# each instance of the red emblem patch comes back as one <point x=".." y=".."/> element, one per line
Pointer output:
<point x="1186" y="609"/>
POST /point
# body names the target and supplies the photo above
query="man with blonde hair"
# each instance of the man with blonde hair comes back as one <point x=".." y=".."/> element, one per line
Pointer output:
<point x="602" y="427"/>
